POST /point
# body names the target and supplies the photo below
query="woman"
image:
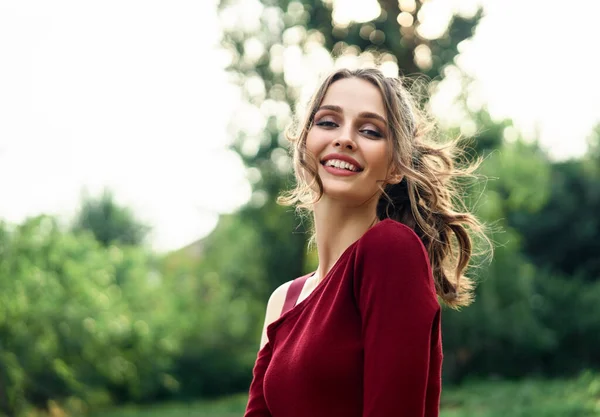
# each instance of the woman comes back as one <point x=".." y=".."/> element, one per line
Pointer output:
<point x="361" y="335"/>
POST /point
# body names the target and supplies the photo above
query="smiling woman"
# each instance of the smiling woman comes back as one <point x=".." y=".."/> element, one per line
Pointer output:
<point x="361" y="335"/>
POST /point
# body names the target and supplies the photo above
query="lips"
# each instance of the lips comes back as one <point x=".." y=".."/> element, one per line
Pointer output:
<point x="343" y="157"/>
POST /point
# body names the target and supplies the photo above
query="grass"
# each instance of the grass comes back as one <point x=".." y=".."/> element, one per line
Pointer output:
<point x="579" y="397"/>
<point x="232" y="406"/>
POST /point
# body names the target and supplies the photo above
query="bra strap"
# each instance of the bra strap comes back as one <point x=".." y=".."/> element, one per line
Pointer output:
<point x="293" y="293"/>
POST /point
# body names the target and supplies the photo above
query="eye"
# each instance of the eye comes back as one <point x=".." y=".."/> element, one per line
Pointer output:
<point x="326" y="123"/>
<point x="371" y="132"/>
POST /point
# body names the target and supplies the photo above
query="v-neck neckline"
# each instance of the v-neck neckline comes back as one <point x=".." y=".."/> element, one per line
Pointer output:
<point x="302" y="304"/>
<point x="296" y="309"/>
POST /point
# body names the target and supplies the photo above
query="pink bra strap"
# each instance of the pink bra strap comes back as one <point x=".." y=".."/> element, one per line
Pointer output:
<point x="293" y="293"/>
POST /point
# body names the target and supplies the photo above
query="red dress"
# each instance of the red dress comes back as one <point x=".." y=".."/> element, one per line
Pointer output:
<point x="366" y="342"/>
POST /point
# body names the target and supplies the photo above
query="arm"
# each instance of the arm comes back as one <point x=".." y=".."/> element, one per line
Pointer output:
<point x="399" y="310"/>
<point x="257" y="406"/>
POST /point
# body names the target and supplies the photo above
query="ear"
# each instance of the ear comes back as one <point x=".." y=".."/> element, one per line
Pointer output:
<point x="394" y="177"/>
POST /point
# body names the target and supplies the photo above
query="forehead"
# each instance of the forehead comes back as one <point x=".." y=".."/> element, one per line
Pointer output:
<point x="355" y="95"/>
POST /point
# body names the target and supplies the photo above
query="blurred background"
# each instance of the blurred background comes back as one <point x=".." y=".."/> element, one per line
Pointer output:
<point x="142" y="149"/>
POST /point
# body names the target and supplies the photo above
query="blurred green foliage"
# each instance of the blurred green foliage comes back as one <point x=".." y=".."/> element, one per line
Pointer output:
<point x="531" y="315"/>
<point x="90" y="325"/>
<point x="108" y="222"/>
<point x="76" y="318"/>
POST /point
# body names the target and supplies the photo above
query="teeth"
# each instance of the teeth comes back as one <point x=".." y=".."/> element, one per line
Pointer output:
<point x="340" y="164"/>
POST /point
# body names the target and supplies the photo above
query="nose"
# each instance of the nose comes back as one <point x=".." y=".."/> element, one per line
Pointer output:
<point x="344" y="141"/>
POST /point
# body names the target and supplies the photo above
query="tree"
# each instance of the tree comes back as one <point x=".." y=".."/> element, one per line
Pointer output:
<point x="571" y="213"/>
<point x="483" y="339"/>
<point x="109" y="222"/>
<point x="68" y="329"/>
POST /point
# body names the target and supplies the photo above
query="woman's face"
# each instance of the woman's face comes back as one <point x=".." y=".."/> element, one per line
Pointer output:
<point x="350" y="140"/>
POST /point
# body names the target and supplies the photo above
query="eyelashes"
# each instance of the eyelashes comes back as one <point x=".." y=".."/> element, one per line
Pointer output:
<point x="372" y="132"/>
<point x="328" y="124"/>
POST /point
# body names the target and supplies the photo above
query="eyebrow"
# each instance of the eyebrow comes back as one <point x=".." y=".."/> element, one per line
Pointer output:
<point x="365" y="114"/>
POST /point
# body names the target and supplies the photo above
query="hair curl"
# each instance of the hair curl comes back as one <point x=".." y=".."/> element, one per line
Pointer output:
<point x="427" y="198"/>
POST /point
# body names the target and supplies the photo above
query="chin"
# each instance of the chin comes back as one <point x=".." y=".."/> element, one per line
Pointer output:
<point x="349" y="194"/>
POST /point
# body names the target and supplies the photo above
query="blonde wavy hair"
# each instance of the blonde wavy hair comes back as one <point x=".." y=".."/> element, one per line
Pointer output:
<point x="427" y="199"/>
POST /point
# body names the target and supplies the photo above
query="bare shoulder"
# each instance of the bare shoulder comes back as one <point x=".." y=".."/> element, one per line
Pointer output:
<point x="274" y="307"/>
<point x="277" y="299"/>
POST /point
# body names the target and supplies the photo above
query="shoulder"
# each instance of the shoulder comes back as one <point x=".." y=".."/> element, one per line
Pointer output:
<point x="392" y="249"/>
<point x="390" y="237"/>
<point x="277" y="299"/>
<point x="274" y="307"/>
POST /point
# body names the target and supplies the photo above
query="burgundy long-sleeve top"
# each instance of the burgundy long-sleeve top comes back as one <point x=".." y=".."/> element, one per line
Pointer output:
<point x="366" y="342"/>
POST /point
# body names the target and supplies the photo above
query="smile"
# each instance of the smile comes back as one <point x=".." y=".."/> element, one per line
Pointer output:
<point x="338" y="163"/>
<point x="341" y="168"/>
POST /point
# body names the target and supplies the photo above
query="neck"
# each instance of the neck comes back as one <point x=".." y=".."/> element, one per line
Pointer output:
<point x="337" y="226"/>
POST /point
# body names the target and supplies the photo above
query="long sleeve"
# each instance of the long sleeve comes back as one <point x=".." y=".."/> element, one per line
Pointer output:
<point x="400" y="325"/>
<point x="257" y="406"/>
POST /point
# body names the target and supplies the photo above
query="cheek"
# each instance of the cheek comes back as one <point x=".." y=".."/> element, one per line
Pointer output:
<point x="311" y="149"/>
<point x="377" y="154"/>
<point x="310" y="155"/>
<point x="315" y="140"/>
<point x="316" y="143"/>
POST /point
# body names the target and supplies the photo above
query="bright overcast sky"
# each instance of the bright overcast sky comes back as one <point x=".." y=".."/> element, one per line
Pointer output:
<point x="130" y="94"/>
